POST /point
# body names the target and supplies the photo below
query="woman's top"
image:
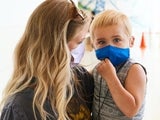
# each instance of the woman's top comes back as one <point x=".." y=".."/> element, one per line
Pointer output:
<point x="19" y="106"/>
<point x="104" y="107"/>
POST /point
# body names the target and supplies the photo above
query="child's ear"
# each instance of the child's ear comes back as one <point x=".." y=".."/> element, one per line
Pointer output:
<point x="131" y="42"/>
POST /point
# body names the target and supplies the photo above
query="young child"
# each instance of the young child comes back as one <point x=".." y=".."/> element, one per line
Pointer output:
<point x="120" y="82"/>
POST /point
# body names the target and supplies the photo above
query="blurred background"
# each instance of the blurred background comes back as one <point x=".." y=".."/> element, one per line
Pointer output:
<point x="145" y="19"/>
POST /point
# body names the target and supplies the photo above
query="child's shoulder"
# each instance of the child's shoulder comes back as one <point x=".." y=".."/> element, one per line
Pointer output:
<point x="133" y="63"/>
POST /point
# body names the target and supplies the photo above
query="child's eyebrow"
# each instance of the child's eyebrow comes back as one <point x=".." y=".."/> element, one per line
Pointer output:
<point x="116" y="36"/>
<point x="98" y="39"/>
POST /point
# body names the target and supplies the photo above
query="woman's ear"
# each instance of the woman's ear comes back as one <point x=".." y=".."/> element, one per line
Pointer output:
<point x="131" y="42"/>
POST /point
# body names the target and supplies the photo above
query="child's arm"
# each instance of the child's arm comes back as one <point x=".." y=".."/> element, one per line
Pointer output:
<point x="129" y="98"/>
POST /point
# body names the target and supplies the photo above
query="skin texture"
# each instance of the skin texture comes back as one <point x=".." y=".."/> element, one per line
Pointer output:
<point x="78" y="37"/>
<point x="130" y="97"/>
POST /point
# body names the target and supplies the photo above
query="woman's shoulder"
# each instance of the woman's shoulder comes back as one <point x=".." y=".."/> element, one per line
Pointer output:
<point x="82" y="73"/>
<point x="18" y="105"/>
<point x="21" y="98"/>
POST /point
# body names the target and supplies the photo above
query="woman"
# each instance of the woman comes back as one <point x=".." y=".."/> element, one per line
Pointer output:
<point x="44" y="85"/>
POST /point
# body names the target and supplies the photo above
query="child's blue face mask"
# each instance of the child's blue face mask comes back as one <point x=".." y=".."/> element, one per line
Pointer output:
<point x="114" y="54"/>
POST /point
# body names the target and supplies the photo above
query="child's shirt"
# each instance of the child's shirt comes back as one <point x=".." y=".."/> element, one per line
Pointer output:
<point x="104" y="107"/>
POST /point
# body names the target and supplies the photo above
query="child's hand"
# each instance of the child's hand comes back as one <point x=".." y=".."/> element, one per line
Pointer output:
<point x="106" y="69"/>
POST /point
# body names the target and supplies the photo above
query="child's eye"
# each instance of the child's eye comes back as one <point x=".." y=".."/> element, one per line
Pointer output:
<point x="101" y="42"/>
<point x="116" y="40"/>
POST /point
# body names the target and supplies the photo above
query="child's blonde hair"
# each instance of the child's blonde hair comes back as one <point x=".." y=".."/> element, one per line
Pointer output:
<point x="110" y="17"/>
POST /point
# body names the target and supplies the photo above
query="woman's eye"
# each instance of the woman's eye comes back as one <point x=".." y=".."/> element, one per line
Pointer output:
<point x="80" y="42"/>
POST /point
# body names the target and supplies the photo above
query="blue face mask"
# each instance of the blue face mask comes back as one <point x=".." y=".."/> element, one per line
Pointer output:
<point x="114" y="54"/>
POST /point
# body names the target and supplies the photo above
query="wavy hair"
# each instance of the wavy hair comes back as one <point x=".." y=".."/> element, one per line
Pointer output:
<point x="42" y="53"/>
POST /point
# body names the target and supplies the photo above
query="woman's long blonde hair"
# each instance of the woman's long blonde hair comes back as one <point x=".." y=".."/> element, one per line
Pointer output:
<point x="42" y="53"/>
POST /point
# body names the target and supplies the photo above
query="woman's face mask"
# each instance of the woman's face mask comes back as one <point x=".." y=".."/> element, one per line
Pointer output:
<point x="114" y="54"/>
<point x="78" y="53"/>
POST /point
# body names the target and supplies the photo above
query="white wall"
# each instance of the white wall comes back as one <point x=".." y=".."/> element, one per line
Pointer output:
<point x="13" y="17"/>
